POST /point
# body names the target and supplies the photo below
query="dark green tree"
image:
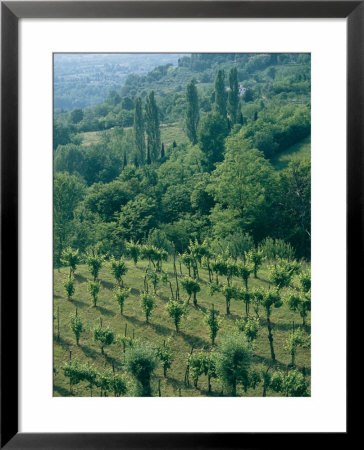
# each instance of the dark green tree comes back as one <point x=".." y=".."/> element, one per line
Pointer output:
<point x="220" y="94"/>
<point x="139" y="132"/>
<point x="212" y="134"/>
<point x="192" y="112"/>
<point x="233" y="95"/>
<point x="152" y="126"/>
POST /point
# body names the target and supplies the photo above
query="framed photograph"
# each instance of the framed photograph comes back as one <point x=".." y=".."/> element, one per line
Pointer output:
<point x="178" y="180"/>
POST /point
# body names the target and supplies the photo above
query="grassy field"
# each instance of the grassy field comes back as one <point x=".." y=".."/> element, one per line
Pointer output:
<point x="297" y="152"/>
<point x="169" y="132"/>
<point x="90" y="137"/>
<point x="193" y="331"/>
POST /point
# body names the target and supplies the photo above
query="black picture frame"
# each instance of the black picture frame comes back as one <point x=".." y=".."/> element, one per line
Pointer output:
<point x="11" y="12"/>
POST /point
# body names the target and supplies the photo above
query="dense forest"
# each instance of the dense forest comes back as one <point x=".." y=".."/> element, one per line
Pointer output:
<point x="182" y="231"/>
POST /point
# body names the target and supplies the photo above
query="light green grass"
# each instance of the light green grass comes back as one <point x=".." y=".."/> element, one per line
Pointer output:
<point x="169" y="132"/>
<point x="298" y="152"/>
<point x="172" y="132"/>
<point x="90" y="137"/>
<point x="193" y="331"/>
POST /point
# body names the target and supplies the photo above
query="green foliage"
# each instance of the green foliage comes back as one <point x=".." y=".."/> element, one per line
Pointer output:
<point x="271" y="298"/>
<point x="233" y="95"/>
<point x="213" y="321"/>
<point x="246" y="297"/>
<point x="76" y="326"/>
<point x="152" y="126"/>
<point x="76" y="115"/>
<point x="255" y="257"/>
<point x="148" y="303"/>
<point x="250" y="326"/>
<point x="94" y="288"/>
<point x="104" y="336"/>
<point x="70" y="257"/>
<point x="305" y="280"/>
<point x="104" y="383"/>
<point x="192" y="287"/>
<point x="166" y="355"/>
<point x="244" y="271"/>
<point x="195" y="363"/>
<point x="257" y="299"/>
<point x="176" y="310"/>
<point x="141" y="363"/>
<point x="192" y="112"/>
<point x="118" y="385"/>
<point x="68" y="191"/>
<point x="220" y="94"/>
<point x="230" y="292"/>
<point x="118" y="269"/>
<point x="139" y="131"/>
<point x="133" y="251"/>
<point x="282" y="272"/>
<point x="211" y="136"/>
<point x="94" y="261"/>
<point x="240" y="185"/>
<point x="233" y="362"/>
<point x="294" y="340"/>
<point x="274" y="249"/>
<point x="69" y="287"/>
<point x="120" y="295"/>
<point x="301" y="303"/>
<point x="74" y="372"/>
<point x="292" y="384"/>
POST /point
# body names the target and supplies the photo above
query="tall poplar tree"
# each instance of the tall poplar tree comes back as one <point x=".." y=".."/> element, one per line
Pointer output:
<point x="233" y="96"/>
<point x="220" y="94"/>
<point x="152" y="125"/>
<point x="192" y="112"/>
<point x="139" y="131"/>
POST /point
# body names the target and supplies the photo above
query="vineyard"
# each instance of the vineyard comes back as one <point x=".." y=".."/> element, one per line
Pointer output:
<point x="196" y="324"/>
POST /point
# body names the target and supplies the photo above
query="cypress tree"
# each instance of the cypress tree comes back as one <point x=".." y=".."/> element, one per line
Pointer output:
<point x="192" y="112"/>
<point x="148" y="155"/>
<point x="139" y="131"/>
<point x="153" y="131"/>
<point x="233" y="96"/>
<point x="220" y="94"/>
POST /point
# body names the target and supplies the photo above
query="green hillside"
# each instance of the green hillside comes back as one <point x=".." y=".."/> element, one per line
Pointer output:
<point x="200" y="173"/>
<point x="193" y="331"/>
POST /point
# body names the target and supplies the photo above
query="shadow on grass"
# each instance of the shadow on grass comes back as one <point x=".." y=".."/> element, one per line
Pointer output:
<point x="79" y="304"/>
<point x="196" y="341"/>
<point x="160" y="329"/>
<point x="164" y="298"/>
<point x="89" y="352"/>
<point x="61" y="391"/>
<point x="213" y="393"/>
<point x="106" y="312"/>
<point x="80" y="278"/>
<point x="62" y="342"/>
<point x="269" y="363"/>
<point x="107" y="285"/>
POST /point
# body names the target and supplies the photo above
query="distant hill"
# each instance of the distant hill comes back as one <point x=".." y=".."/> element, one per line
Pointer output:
<point x="84" y="79"/>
